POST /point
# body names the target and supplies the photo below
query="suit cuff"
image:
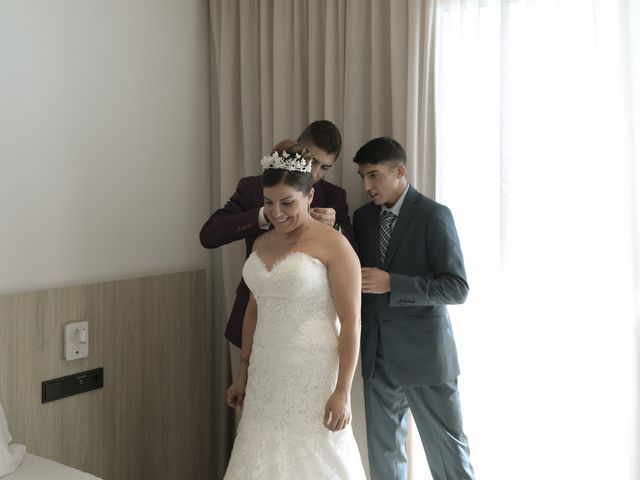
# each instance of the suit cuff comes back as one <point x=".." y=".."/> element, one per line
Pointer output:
<point x="262" y="220"/>
<point x="400" y="288"/>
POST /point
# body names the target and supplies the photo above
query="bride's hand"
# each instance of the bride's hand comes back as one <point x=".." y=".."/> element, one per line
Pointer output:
<point x="337" y="412"/>
<point x="235" y="393"/>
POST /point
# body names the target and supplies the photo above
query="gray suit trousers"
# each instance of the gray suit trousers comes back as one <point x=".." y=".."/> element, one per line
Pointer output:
<point x="436" y="411"/>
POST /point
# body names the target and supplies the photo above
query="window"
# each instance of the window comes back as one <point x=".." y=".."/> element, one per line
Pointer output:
<point x="537" y="156"/>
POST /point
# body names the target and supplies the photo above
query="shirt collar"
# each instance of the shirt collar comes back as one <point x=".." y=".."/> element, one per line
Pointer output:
<point x="395" y="209"/>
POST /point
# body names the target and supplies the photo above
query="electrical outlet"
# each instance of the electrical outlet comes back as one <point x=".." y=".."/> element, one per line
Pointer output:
<point x="62" y="387"/>
<point x="76" y="340"/>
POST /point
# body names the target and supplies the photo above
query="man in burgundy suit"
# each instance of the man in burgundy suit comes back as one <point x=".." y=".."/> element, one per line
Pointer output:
<point x="242" y="217"/>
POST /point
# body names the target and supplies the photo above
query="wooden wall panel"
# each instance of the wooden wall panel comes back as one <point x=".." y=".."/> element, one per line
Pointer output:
<point x="151" y="335"/>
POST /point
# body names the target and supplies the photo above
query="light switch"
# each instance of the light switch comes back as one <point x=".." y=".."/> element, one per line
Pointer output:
<point x="76" y="340"/>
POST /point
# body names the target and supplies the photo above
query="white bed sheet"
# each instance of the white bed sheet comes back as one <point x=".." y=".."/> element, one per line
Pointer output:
<point x="39" y="468"/>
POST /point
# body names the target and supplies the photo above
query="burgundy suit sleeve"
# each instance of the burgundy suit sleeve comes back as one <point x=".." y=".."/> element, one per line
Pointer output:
<point x="342" y="218"/>
<point x="237" y="220"/>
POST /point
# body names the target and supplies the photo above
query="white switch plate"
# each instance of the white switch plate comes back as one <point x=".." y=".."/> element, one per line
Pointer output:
<point x="74" y="334"/>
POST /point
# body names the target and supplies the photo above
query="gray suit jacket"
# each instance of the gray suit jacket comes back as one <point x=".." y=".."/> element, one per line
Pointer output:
<point x="427" y="272"/>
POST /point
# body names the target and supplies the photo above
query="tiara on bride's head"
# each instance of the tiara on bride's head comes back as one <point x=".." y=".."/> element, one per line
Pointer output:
<point x="286" y="161"/>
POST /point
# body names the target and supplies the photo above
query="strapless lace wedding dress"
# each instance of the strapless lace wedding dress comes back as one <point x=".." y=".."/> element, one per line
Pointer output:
<point x="293" y="371"/>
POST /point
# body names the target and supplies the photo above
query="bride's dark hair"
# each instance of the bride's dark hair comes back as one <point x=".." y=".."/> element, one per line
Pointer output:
<point x="299" y="180"/>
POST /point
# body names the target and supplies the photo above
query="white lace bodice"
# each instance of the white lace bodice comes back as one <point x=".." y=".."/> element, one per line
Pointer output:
<point x="295" y="309"/>
<point x="293" y="371"/>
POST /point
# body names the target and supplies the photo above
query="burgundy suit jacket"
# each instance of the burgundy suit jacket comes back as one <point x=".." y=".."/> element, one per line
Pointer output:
<point x="238" y="219"/>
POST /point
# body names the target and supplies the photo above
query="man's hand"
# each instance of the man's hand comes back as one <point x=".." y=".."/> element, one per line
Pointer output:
<point x="375" y="280"/>
<point x="324" y="215"/>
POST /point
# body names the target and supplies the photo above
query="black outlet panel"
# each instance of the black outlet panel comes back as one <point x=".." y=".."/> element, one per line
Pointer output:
<point x="62" y="387"/>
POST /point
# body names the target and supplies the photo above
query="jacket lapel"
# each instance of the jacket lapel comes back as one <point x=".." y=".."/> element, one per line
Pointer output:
<point x="368" y="240"/>
<point x="404" y="220"/>
<point x="318" y="195"/>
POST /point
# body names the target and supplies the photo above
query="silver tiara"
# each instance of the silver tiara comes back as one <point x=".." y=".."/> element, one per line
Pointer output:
<point x="286" y="161"/>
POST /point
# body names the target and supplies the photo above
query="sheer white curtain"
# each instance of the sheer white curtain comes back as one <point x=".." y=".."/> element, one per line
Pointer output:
<point x="537" y="108"/>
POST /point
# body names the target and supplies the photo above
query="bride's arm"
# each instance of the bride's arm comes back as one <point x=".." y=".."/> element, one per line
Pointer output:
<point x="236" y="392"/>
<point x="345" y="281"/>
<point x="248" y="329"/>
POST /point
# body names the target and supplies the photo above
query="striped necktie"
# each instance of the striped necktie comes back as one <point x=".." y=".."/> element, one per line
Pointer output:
<point x="386" y="223"/>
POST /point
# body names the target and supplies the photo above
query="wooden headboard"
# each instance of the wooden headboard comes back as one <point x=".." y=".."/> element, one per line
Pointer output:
<point x="151" y="335"/>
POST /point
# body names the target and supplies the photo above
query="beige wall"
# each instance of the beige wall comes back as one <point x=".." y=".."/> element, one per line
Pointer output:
<point x="104" y="139"/>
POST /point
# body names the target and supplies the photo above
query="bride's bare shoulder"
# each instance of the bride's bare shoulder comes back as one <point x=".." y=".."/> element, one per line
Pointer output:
<point x="332" y="241"/>
<point x="323" y="228"/>
<point x="325" y="233"/>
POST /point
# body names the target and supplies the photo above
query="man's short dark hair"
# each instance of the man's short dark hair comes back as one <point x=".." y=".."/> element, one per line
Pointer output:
<point x="324" y="135"/>
<point x="380" y="150"/>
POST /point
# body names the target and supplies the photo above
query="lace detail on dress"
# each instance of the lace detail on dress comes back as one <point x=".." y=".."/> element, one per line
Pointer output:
<point x="293" y="371"/>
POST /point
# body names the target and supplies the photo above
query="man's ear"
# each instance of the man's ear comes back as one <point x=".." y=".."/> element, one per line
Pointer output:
<point x="401" y="170"/>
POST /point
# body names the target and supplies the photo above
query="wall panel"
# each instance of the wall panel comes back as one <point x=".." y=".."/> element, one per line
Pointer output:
<point x="150" y="421"/>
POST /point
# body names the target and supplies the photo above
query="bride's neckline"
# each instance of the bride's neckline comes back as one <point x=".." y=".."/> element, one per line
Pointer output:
<point x="284" y="257"/>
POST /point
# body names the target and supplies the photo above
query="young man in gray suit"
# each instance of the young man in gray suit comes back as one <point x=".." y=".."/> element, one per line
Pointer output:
<point x="412" y="268"/>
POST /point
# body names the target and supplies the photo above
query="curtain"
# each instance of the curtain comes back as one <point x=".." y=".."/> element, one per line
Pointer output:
<point x="537" y="108"/>
<point x="277" y="65"/>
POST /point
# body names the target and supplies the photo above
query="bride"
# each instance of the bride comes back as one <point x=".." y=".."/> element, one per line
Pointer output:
<point x="300" y="338"/>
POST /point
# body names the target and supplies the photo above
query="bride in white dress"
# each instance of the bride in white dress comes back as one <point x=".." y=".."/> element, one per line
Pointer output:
<point x="300" y="338"/>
